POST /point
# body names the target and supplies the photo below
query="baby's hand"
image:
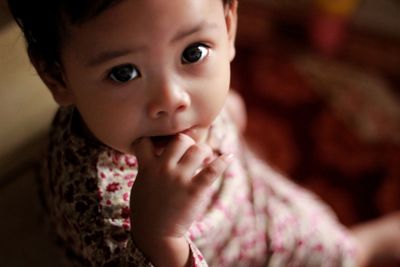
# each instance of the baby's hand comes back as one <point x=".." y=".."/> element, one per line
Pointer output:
<point x="168" y="192"/>
<point x="379" y="239"/>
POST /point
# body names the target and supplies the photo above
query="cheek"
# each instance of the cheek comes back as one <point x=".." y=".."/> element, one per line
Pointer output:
<point x="111" y="123"/>
<point x="214" y="94"/>
<point x="112" y="130"/>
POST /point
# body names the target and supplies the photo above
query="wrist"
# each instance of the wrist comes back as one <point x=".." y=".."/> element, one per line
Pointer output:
<point x="164" y="251"/>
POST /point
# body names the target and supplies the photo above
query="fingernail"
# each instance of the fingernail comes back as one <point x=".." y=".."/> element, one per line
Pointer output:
<point x="158" y="151"/>
<point x="228" y="158"/>
<point x="208" y="160"/>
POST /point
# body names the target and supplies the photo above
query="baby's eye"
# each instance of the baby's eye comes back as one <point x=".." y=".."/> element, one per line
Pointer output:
<point x="194" y="53"/>
<point x="124" y="73"/>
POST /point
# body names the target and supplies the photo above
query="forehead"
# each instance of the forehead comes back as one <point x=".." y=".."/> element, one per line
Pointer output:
<point x="146" y="20"/>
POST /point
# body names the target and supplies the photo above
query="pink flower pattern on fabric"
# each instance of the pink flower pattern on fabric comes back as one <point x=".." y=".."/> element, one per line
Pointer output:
<point x="254" y="217"/>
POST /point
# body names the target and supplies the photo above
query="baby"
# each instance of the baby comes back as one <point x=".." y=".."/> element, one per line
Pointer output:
<point x="146" y="165"/>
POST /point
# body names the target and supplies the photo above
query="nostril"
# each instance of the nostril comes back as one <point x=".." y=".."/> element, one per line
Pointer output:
<point x="181" y="108"/>
<point x="167" y="106"/>
<point x="160" y="113"/>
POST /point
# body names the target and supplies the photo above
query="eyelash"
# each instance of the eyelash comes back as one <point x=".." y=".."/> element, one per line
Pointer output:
<point x="111" y="74"/>
<point x="133" y="70"/>
<point x="195" y="45"/>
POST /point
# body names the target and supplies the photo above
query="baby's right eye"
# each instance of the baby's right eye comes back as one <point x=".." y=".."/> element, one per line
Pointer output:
<point x="124" y="73"/>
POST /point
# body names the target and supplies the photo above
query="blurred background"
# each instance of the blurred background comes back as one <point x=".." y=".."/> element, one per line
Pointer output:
<point x="321" y="80"/>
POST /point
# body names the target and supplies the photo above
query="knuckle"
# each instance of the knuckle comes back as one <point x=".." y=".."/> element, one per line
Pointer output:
<point x="195" y="148"/>
<point x="193" y="151"/>
<point x="180" y="177"/>
<point x="186" y="139"/>
<point x="180" y="182"/>
<point x="205" y="149"/>
<point x="167" y="168"/>
<point x="211" y="172"/>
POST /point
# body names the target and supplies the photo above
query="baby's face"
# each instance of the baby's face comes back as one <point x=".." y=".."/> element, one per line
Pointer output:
<point x="149" y="68"/>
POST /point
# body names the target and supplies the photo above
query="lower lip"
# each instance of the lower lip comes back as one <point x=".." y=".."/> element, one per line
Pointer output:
<point x="192" y="133"/>
<point x="189" y="132"/>
<point x="167" y="138"/>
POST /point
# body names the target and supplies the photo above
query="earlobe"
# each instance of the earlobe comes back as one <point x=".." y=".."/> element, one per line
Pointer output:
<point x="61" y="94"/>
<point x="53" y="78"/>
<point x="231" y="24"/>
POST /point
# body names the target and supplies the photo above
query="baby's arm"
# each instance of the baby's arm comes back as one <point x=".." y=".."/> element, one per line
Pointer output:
<point x="168" y="195"/>
<point x="379" y="238"/>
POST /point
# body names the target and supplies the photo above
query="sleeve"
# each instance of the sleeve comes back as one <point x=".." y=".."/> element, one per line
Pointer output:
<point x="197" y="259"/>
<point x="98" y="240"/>
<point x="85" y="190"/>
<point x="301" y="229"/>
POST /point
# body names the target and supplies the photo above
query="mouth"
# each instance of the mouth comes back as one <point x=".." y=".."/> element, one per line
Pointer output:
<point x="160" y="142"/>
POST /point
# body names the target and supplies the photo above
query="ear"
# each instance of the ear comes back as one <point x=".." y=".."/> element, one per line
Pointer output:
<point x="54" y="78"/>
<point x="231" y="18"/>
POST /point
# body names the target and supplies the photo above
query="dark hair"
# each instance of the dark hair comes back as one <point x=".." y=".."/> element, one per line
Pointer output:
<point x="44" y="23"/>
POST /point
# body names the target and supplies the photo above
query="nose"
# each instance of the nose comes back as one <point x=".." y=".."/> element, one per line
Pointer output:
<point x="168" y="99"/>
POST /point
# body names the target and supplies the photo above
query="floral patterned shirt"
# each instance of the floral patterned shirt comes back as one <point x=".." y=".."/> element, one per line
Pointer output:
<point x="254" y="216"/>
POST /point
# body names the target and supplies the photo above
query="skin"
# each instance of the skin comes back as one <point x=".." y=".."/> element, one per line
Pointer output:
<point x="379" y="239"/>
<point x="167" y="95"/>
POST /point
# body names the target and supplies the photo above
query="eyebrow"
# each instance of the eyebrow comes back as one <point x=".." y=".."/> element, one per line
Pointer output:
<point x="197" y="28"/>
<point x="111" y="54"/>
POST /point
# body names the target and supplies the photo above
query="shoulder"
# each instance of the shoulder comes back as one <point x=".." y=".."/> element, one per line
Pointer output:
<point x="236" y="108"/>
<point x="71" y="159"/>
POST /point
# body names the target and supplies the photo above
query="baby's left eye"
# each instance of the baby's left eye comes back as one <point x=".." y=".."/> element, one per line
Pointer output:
<point x="124" y="73"/>
<point x="194" y="53"/>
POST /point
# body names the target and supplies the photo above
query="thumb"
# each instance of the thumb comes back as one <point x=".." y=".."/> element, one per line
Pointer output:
<point x="143" y="149"/>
